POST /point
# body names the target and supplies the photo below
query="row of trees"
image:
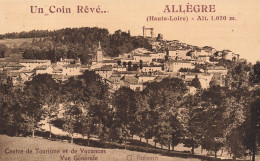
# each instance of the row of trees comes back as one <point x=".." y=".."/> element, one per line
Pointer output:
<point x="219" y="117"/>
<point x="30" y="34"/>
<point x="76" y="43"/>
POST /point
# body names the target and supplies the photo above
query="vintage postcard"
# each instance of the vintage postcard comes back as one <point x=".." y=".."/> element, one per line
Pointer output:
<point x="129" y="80"/>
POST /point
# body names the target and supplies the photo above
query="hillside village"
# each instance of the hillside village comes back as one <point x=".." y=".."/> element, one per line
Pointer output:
<point x="133" y="69"/>
<point x="164" y="91"/>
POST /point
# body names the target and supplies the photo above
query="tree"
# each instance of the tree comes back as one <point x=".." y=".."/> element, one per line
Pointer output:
<point x="190" y="116"/>
<point x="32" y="112"/>
<point x="125" y="104"/>
<point x="43" y="92"/>
<point x="213" y="138"/>
<point x="119" y="62"/>
<point x="169" y="129"/>
<point x="85" y="102"/>
<point x="213" y="83"/>
<point x="86" y="122"/>
<point x="3" y="49"/>
<point x="145" y="118"/>
<point x="71" y="116"/>
<point x="235" y="116"/>
<point x="215" y="102"/>
<point x="237" y="77"/>
<point x="96" y="94"/>
<point x="72" y="93"/>
<point x="129" y="65"/>
<point x="253" y="129"/>
<point x="124" y="64"/>
<point x="141" y="64"/>
<point x="164" y="100"/>
<point x="255" y="73"/>
<point x="11" y="107"/>
<point x="239" y="105"/>
<point x="149" y="113"/>
<point x="196" y="82"/>
<point x="60" y="51"/>
<point x="253" y="139"/>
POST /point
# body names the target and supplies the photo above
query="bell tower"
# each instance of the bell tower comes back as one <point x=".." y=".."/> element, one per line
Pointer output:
<point x="99" y="58"/>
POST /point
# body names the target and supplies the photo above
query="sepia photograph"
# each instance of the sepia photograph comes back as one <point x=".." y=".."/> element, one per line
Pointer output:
<point x="129" y="80"/>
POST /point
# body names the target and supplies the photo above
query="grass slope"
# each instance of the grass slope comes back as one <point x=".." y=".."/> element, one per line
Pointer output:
<point x="10" y="150"/>
<point x="11" y="42"/>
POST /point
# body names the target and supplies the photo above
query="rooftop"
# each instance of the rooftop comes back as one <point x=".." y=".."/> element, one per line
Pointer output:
<point x="57" y="76"/>
<point x="110" y="61"/>
<point x="33" y="61"/>
<point x="216" y="68"/>
<point x="142" y="55"/>
<point x="147" y="76"/>
<point x="14" y="74"/>
<point x="146" y="65"/>
<point x="194" y="74"/>
<point x="104" y="69"/>
<point x="43" y="67"/>
<point x="72" y="66"/>
<point x="177" y="61"/>
<point x="126" y="72"/>
<point x="13" y="64"/>
<point x="67" y="60"/>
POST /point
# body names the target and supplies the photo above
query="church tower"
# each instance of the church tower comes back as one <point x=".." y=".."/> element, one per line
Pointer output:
<point x="99" y="58"/>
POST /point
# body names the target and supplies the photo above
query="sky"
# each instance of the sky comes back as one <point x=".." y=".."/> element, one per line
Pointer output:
<point x="241" y="36"/>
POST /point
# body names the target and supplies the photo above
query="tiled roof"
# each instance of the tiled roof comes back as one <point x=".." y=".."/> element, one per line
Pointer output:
<point x="216" y="76"/>
<point x="14" y="74"/>
<point x="116" y="66"/>
<point x="177" y="61"/>
<point x="127" y="59"/>
<point x="72" y="65"/>
<point x="13" y="64"/>
<point x="115" y="75"/>
<point x="33" y="61"/>
<point x="216" y="68"/>
<point x="3" y="64"/>
<point x="57" y="71"/>
<point x="131" y="80"/>
<point x="43" y="67"/>
<point x="2" y="59"/>
<point x="13" y="58"/>
<point x="68" y="60"/>
<point x="57" y="76"/>
<point x="110" y="61"/>
<point x="146" y="65"/>
<point x="227" y="50"/>
<point x="104" y="68"/>
<point x="84" y="66"/>
<point x="126" y="72"/>
<point x="193" y="74"/>
<point x="143" y="55"/>
<point x="10" y="69"/>
<point x="27" y="71"/>
<point x="161" y="77"/>
<point x="147" y="76"/>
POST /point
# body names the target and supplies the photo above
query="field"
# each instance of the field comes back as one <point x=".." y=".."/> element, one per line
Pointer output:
<point x="12" y="42"/>
<point x="38" y="149"/>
